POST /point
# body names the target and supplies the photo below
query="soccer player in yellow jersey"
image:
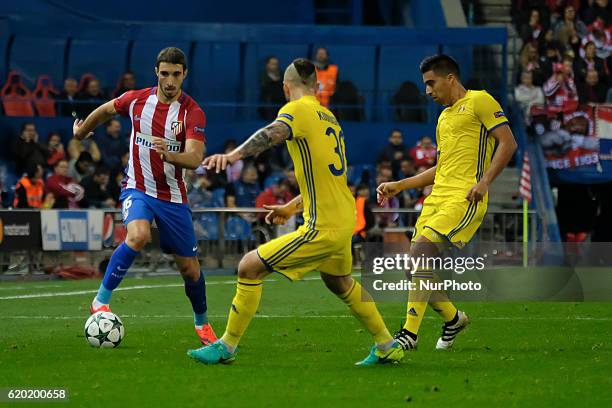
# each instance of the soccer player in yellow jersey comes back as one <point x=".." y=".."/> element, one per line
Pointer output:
<point x="466" y="134"/>
<point x="316" y="144"/>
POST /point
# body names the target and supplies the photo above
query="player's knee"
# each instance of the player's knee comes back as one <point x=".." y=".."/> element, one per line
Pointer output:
<point x="337" y="284"/>
<point x="190" y="270"/>
<point x="138" y="239"/>
<point x="249" y="267"/>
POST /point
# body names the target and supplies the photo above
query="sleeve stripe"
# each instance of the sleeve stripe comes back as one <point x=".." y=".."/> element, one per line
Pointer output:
<point x="286" y="115"/>
<point x="505" y="122"/>
<point x="289" y="127"/>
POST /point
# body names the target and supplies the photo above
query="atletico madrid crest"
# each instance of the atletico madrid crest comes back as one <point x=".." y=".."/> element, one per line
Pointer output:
<point x="177" y="127"/>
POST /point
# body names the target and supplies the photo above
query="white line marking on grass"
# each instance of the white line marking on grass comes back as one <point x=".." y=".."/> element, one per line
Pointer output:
<point x="89" y="291"/>
<point x="269" y="316"/>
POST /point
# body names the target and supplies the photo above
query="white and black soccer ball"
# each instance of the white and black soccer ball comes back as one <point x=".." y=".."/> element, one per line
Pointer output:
<point x="104" y="329"/>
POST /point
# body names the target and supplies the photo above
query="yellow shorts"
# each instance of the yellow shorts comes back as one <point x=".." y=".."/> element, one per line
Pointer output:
<point x="450" y="221"/>
<point x="302" y="251"/>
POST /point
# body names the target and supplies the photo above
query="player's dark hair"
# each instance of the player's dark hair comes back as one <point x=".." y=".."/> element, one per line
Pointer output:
<point x="440" y="64"/>
<point x="172" y="55"/>
<point x="305" y="70"/>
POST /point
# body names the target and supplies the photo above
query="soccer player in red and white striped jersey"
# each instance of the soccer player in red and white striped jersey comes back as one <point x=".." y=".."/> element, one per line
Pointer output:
<point x="167" y="137"/>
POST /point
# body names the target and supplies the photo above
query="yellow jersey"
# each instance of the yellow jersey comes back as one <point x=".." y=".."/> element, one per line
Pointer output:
<point x="465" y="146"/>
<point x="316" y="146"/>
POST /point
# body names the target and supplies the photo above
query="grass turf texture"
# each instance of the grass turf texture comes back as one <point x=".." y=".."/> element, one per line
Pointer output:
<point x="300" y="351"/>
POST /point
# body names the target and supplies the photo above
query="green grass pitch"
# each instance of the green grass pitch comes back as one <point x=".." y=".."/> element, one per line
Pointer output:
<point x="299" y="351"/>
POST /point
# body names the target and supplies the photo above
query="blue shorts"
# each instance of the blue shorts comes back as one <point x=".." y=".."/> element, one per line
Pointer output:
<point x="174" y="222"/>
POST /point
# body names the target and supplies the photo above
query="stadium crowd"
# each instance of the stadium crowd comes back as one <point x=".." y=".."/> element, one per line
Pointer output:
<point x="564" y="68"/>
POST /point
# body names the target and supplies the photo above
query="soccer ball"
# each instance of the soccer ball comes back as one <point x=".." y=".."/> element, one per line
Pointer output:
<point x="104" y="329"/>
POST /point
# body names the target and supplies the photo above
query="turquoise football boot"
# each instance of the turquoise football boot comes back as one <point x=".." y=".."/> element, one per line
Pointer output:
<point x="393" y="355"/>
<point x="213" y="354"/>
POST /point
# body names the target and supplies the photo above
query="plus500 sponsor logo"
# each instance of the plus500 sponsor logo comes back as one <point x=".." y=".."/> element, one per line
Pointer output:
<point x="147" y="141"/>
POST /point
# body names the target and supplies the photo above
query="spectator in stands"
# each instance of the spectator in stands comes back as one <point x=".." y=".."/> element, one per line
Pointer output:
<point x="81" y="167"/>
<point x="394" y="152"/>
<point x="560" y="89"/>
<point x="598" y="9"/>
<point x="384" y="175"/>
<point x="365" y="217"/>
<point x="26" y="149"/>
<point x="424" y="154"/>
<point x="55" y="149"/>
<point x="327" y="76"/>
<point x="243" y="192"/>
<point x="126" y="83"/>
<point x="570" y="30"/>
<point x="347" y="102"/>
<point x="406" y="168"/>
<point x="97" y="194"/>
<point x="233" y="170"/>
<point x="200" y="194"/>
<point x="67" y="97"/>
<point x="271" y="89"/>
<point x="112" y="145"/>
<point x="29" y="190"/>
<point x="590" y="61"/>
<point x="527" y="94"/>
<point x="90" y="98"/>
<point x="277" y="193"/>
<point x="602" y="38"/>
<point x="592" y="90"/>
<point x="65" y="190"/>
<point x="532" y="31"/>
<point x="418" y="205"/>
<point x="529" y="61"/>
<point x="76" y="147"/>
<point x="292" y="183"/>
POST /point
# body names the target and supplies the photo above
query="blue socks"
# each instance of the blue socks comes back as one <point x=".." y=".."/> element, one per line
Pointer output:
<point x="120" y="262"/>
<point x="196" y="292"/>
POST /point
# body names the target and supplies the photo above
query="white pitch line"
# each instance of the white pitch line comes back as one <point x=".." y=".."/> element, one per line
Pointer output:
<point x="269" y="316"/>
<point x="89" y="291"/>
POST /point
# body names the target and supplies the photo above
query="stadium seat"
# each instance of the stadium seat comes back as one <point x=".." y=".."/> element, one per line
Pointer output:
<point x="215" y="78"/>
<point x="16" y="97"/>
<point x="43" y="96"/>
<point x="398" y="64"/>
<point x="142" y="61"/>
<point x="209" y="224"/>
<point x="237" y="229"/>
<point x="105" y="58"/>
<point x="218" y="199"/>
<point x="33" y="57"/>
<point x="359" y="71"/>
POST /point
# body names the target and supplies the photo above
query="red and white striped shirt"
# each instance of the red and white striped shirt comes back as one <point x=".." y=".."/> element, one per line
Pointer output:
<point x="176" y="122"/>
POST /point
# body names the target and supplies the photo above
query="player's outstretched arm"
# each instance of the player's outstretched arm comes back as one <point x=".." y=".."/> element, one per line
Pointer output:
<point x="392" y="188"/>
<point x="273" y="134"/>
<point x="103" y="113"/>
<point x="189" y="159"/>
<point x="504" y="152"/>
<point x="279" y="214"/>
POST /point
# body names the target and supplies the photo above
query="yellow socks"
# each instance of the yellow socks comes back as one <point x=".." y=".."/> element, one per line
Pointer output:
<point x="419" y="298"/>
<point x="244" y="306"/>
<point x="366" y="312"/>
<point x="417" y="301"/>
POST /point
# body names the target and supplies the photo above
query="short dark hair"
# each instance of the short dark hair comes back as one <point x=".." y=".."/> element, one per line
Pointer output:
<point x="440" y="64"/>
<point x="305" y="69"/>
<point x="25" y="125"/>
<point x="172" y="55"/>
<point x="101" y="170"/>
